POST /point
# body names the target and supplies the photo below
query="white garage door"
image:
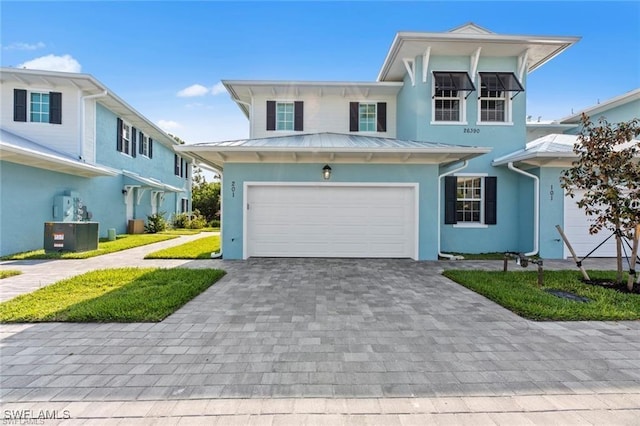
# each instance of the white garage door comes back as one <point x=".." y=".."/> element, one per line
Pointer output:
<point x="330" y="221"/>
<point x="576" y="228"/>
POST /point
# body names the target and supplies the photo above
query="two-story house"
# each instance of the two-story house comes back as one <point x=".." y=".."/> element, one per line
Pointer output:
<point x="414" y="165"/>
<point x="72" y="150"/>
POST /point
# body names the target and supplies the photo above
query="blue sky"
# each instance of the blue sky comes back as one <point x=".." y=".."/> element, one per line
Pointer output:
<point x="149" y="52"/>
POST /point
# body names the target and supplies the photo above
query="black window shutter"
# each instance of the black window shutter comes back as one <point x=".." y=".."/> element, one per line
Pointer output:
<point x="19" y="105"/>
<point x="353" y="117"/>
<point x="119" y="136"/>
<point x="298" y="116"/>
<point x="271" y="115"/>
<point x="150" y="148"/>
<point x="140" y="139"/>
<point x="382" y="116"/>
<point x="55" y="107"/>
<point x="450" y="199"/>
<point x="182" y="167"/>
<point x="490" y="196"/>
<point x="134" y="134"/>
<point x="176" y="165"/>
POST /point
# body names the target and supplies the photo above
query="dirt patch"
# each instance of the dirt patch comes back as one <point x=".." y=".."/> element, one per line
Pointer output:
<point x="609" y="284"/>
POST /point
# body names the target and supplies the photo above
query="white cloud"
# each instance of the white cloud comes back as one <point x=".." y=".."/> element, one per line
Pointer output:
<point x="199" y="90"/>
<point x="65" y="63"/>
<point x="218" y="89"/>
<point x="168" y="125"/>
<point x="24" y="46"/>
<point x="193" y="90"/>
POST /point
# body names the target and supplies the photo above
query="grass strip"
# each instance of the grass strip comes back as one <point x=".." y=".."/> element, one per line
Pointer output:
<point x="518" y="292"/>
<point x="196" y="249"/>
<point x="112" y="295"/>
<point x="122" y="242"/>
<point x="9" y="273"/>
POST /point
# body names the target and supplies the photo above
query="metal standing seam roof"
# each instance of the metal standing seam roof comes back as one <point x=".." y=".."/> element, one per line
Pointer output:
<point x="151" y="182"/>
<point x="18" y="149"/>
<point x="558" y="146"/>
<point x="328" y="141"/>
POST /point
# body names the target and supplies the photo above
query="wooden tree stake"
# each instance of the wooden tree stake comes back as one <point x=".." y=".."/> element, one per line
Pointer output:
<point x="634" y="257"/>
<point x="573" y="254"/>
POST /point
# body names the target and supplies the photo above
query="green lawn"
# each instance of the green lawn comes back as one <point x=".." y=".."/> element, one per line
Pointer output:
<point x="197" y="249"/>
<point x="518" y="292"/>
<point x="9" y="273"/>
<point x="122" y="242"/>
<point x="184" y="231"/>
<point x="112" y="295"/>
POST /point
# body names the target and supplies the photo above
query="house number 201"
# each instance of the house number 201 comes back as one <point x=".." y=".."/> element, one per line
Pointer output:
<point x="471" y="130"/>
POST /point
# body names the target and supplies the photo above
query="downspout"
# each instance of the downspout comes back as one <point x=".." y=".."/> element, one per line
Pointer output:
<point x="536" y="207"/>
<point x="440" y="254"/>
<point x="83" y="125"/>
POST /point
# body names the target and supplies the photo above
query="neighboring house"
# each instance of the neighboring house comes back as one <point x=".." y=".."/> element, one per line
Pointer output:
<point x="68" y="146"/>
<point x="413" y="165"/>
<point x="549" y="154"/>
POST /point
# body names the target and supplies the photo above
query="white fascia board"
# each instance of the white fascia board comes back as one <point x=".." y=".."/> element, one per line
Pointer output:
<point x="528" y="156"/>
<point x="430" y="150"/>
<point x="608" y="104"/>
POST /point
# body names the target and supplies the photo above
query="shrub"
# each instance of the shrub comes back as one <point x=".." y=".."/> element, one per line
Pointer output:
<point x="214" y="223"/>
<point x="181" y="221"/>
<point x="155" y="223"/>
<point x="198" y="222"/>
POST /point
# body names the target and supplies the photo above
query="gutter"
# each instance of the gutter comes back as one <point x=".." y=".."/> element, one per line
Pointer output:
<point x="440" y="254"/>
<point x="83" y="124"/>
<point x="536" y="207"/>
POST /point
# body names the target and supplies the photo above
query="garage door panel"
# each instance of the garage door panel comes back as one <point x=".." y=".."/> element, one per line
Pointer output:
<point x="576" y="228"/>
<point x="331" y="221"/>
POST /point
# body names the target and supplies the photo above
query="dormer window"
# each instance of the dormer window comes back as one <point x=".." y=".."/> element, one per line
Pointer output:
<point x="495" y="99"/>
<point x="450" y="90"/>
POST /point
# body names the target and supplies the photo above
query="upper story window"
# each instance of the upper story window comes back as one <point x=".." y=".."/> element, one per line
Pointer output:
<point x="126" y="138"/>
<point x="181" y="166"/>
<point x="470" y="200"/>
<point x="367" y="116"/>
<point x="495" y="99"/>
<point x="285" y="115"/>
<point x="449" y="89"/>
<point x="144" y="143"/>
<point x="38" y="106"/>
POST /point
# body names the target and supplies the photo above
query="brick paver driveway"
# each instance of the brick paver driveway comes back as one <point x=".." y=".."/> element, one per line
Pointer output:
<point x="322" y="328"/>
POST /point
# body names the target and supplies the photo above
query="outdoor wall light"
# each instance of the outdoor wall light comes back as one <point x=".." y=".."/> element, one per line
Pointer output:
<point x="326" y="172"/>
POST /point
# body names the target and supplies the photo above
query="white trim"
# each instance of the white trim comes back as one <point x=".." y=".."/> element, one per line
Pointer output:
<point x="461" y="98"/>
<point x="410" y="66"/>
<point x="415" y="186"/>
<point x="508" y="108"/>
<point x="425" y="63"/>
<point x="470" y="225"/>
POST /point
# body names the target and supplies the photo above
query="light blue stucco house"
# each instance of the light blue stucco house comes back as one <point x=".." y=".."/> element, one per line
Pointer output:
<point x="428" y="160"/>
<point x="71" y="149"/>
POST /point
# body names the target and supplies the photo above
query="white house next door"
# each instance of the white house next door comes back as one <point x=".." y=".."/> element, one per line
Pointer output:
<point x="331" y="220"/>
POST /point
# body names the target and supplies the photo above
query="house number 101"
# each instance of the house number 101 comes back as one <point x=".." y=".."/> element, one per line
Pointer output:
<point x="471" y="130"/>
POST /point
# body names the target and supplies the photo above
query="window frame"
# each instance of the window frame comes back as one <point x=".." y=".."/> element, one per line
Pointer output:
<point x="461" y="223"/>
<point x="126" y="143"/>
<point x="144" y="144"/>
<point x="292" y="113"/>
<point x="508" y="121"/>
<point x="372" y="121"/>
<point x="30" y="103"/>
<point x="462" y="102"/>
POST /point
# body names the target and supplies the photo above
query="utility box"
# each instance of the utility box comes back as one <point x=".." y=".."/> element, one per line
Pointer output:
<point x="70" y="236"/>
<point x="135" y="226"/>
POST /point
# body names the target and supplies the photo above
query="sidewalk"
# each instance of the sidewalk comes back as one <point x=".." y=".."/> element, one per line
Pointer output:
<point x="40" y="273"/>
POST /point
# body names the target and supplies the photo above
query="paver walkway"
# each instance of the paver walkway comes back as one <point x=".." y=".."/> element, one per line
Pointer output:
<point x="318" y="341"/>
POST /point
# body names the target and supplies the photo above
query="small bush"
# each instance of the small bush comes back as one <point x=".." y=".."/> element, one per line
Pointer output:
<point x="214" y="223"/>
<point x="155" y="223"/>
<point x="181" y="221"/>
<point x="198" y="222"/>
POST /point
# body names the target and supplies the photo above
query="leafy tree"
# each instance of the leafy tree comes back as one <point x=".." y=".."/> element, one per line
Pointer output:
<point x="177" y="139"/>
<point x="607" y="169"/>
<point x="205" y="196"/>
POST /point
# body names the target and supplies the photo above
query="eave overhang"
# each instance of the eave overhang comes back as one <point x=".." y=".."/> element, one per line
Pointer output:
<point x="243" y="91"/>
<point x="219" y="154"/>
<point x="150" y="183"/>
<point x="535" y="50"/>
<point x="87" y="85"/>
<point x="51" y="161"/>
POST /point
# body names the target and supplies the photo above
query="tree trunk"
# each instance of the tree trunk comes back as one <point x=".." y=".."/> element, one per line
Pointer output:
<point x="634" y="256"/>
<point x="618" y="254"/>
